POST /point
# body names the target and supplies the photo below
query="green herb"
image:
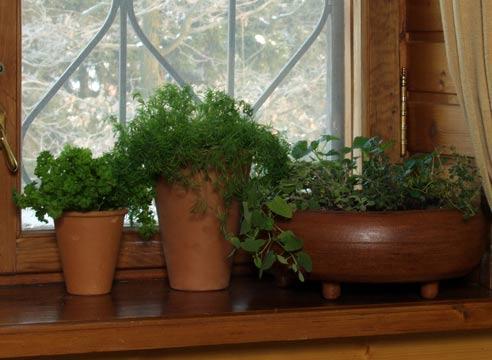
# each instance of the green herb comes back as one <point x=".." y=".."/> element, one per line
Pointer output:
<point x="323" y="177"/>
<point x="175" y="137"/>
<point x="327" y="179"/>
<point x="75" y="181"/>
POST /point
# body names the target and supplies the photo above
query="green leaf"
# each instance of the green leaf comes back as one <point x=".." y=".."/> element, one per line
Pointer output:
<point x="252" y="245"/>
<point x="235" y="242"/>
<point x="329" y="138"/>
<point x="314" y="145"/>
<point x="281" y="259"/>
<point x="289" y="241"/>
<point x="268" y="260"/>
<point x="245" y="226"/>
<point x="360" y="142"/>
<point x="259" y="220"/>
<point x="304" y="261"/>
<point x="345" y="150"/>
<point x="300" y="276"/>
<point x="300" y="149"/>
<point x="257" y="261"/>
<point x="246" y="211"/>
<point x="280" y="207"/>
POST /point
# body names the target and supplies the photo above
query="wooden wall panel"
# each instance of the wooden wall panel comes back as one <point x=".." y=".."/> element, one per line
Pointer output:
<point x="431" y="126"/>
<point x="434" y="116"/>
<point x="383" y="69"/>
<point x="423" y="15"/>
<point x="428" y="68"/>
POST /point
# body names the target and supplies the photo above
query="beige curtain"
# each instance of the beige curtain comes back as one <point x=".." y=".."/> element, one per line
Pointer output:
<point x="468" y="35"/>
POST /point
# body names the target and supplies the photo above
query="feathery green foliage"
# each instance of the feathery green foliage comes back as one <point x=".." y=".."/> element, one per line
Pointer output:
<point x="175" y="137"/>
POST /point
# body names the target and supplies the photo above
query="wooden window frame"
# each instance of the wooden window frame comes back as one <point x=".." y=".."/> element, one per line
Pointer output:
<point x="372" y="104"/>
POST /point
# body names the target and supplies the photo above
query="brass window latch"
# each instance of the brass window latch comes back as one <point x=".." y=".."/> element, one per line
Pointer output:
<point x="4" y="145"/>
<point x="403" y="112"/>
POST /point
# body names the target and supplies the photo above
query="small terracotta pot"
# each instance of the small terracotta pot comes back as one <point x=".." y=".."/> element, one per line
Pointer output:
<point x="197" y="255"/>
<point x="89" y="244"/>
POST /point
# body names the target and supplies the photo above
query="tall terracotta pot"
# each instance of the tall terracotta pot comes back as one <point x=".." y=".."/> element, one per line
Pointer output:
<point x="197" y="255"/>
<point x="89" y="244"/>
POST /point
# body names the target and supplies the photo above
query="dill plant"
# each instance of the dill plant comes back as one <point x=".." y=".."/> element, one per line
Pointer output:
<point x="175" y="137"/>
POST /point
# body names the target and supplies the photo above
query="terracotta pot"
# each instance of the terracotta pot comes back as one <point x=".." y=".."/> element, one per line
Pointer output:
<point x="197" y="255"/>
<point x="89" y="244"/>
<point x="386" y="247"/>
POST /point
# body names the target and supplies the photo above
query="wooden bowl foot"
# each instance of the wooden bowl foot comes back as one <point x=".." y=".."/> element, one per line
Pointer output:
<point x="429" y="290"/>
<point x="331" y="290"/>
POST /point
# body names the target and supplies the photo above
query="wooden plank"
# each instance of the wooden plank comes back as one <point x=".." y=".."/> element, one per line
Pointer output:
<point x="425" y="36"/>
<point x="38" y="253"/>
<point x="57" y="277"/>
<point x="434" y="98"/>
<point x="476" y="346"/>
<point x="383" y="45"/>
<point x="436" y="125"/>
<point x="428" y="68"/>
<point x="147" y="315"/>
<point x="9" y="96"/>
<point x="423" y="15"/>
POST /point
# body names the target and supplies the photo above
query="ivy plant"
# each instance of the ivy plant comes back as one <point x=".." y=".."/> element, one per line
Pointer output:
<point x="76" y="181"/>
<point x="323" y="177"/>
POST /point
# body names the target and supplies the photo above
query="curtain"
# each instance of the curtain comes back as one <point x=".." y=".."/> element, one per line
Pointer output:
<point x="467" y="28"/>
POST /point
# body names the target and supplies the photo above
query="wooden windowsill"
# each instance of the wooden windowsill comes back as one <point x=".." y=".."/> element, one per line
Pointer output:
<point x="44" y="320"/>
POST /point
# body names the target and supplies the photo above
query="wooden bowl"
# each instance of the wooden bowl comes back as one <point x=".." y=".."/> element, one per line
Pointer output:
<point x="387" y="247"/>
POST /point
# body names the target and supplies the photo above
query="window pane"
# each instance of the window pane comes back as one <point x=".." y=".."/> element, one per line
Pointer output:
<point x="193" y="37"/>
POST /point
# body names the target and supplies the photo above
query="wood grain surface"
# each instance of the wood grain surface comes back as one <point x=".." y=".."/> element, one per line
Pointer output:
<point x="138" y="315"/>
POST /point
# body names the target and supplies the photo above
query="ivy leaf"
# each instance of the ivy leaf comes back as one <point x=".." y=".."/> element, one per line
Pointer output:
<point x="280" y="207"/>
<point x="345" y="150"/>
<point x="258" y="263"/>
<point x="268" y="260"/>
<point x="329" y="138"/>
<point x="314" y="145"/>
<point x="252" y="245"/>
<point x="235" y="242"/>
<point x="259" y="220"/>
<point x="245" y="226"/>
<point x="300" y="276"/>
<point x="281" y="259"/>
<point x="300" y="149"/>
<point x="304" y="260"/>
<point x="360" y="142"/>
<point x="289" y="241"/>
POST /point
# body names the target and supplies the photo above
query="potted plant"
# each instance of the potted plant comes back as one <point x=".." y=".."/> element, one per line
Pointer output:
<point x="199" y="154"/>
<point x="417" y="221"/>
<point x="87" y="198"/>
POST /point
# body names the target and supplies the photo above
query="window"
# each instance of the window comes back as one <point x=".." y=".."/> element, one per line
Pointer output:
<point x="316" y="95"/>
<point x="82" y="60"/>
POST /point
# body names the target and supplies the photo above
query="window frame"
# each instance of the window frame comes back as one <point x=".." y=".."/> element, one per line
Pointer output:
<point x="32" y="257"/>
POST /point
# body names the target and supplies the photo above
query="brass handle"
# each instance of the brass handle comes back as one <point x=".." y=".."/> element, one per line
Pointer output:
<point x="11" y="160"/>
